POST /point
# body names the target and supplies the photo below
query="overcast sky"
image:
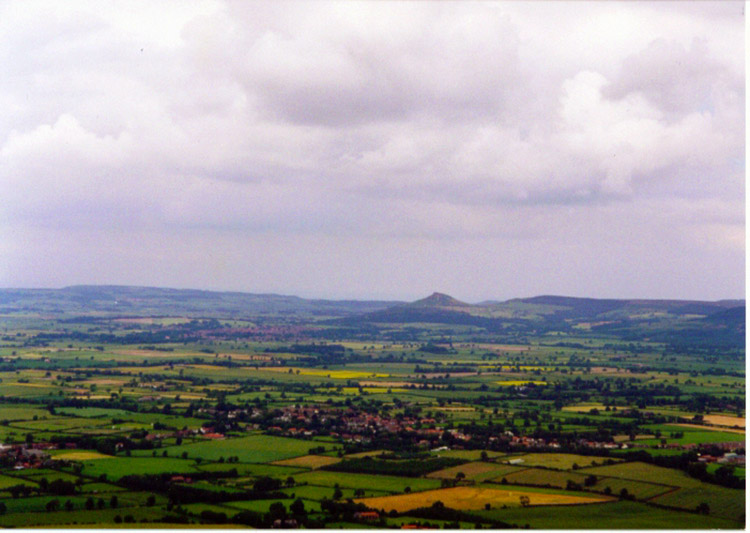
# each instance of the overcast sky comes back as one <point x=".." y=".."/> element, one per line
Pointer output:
<point x="375" y="150"/>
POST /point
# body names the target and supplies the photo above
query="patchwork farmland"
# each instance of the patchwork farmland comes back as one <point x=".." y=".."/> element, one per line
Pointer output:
<point x="415" y="415"/>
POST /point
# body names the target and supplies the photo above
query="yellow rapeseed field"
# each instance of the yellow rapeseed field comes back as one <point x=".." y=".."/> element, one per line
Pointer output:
<point x="723" y="420"/>
<point x="80" y="456"/>
<point x="473" y="498"/>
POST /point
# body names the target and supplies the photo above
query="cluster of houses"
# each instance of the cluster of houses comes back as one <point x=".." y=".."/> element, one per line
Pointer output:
<point x="21" y="456"/>
<point x="355" y="426"/>
<point x="728" y="458"/>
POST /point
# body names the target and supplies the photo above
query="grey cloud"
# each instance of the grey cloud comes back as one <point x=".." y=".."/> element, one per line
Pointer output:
<point x="458" y="125"/>
<point x="675" y="78"/>
<point x="442" y="58"/>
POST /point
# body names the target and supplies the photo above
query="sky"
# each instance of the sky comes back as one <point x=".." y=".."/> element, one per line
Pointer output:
<point x="375" y="150"/>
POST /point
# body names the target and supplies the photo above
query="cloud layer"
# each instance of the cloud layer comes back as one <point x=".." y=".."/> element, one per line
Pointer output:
<point x="375" y="149"/>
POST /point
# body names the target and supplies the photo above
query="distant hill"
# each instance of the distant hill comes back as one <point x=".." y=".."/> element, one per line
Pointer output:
<point x="673" y="321"/>
<point x="437" y="308"/>
<point x="437" y="299"/>
<point x="114" y="300"/>
<point x="591" y="307"/>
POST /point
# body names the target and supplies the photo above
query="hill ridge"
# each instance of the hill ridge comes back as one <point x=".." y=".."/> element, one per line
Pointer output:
<point x="439" y="299"/>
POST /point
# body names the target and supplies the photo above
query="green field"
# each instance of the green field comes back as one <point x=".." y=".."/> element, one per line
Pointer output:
<point x="312" y="400"/>
<point x="474" y="471"/>
<point x="9" y="481"/>
<point x="645" y="472"/>
<point x="722" y="501"/>
<point x="618" y="515"/>
<point x="390" y="484"/>
<point x="252" y="449"/>
<point x="118" y="467"/>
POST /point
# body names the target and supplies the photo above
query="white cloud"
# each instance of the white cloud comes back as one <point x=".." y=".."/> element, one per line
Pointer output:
<point x="482" y="122"/>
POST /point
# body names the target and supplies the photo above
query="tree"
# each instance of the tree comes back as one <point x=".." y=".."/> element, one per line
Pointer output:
<point x="277" y="510"/>
<point x="89" y="505"/>
<point x="525" y="501"/>
<point x="60" y="487"/>
<point x="290" y="481"/>
<point x="3" y="508"/>
<point x="297" y="508"/>
<point x="68" y="505"/>
<point x="52" y="505"/>
<point x="151" y="501"/>
<point x="113" y="503"/>
<point x="703" y="508"/>
<point x="266" y="483"/>
<point x="590" y="480"/>
<point x="483" y="456"/>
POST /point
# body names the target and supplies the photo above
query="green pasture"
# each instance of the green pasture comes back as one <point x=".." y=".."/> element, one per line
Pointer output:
<point x="314" y="492"/>
<point x="28" y="390"/>
<point x="252" y="449"/>
<point x="615" y="515"/>
<point x="50" y="475"/>
<point x="94" y="412"/>
<point x="691" y="435"/>
<point x="31" y="472"/>
<point x="10" y="434"/>
<point x="214" y="487"/>
<point x="100" y="488"/>
<point x="262" y="506"/>
<point x="198" y="508"/>
<point x="14" y="412"/>
<point x="9" y="481"/>
<point x="118" y="467"/>
<point x="78" y="517"/>
<point x="476" y="471"/>
<point x="390" y="484"/>
<point x="739" y="471"/>
<point x="540" y="477"/>
<point x="251" y="469"/>
<point x="722" y="501"/>
<point x="637" y="471"/>
<point x="558" y="461"/>
<point x="556" y="478"/>
<point x="58" y="424"/>
<point x="36" y="504"/>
